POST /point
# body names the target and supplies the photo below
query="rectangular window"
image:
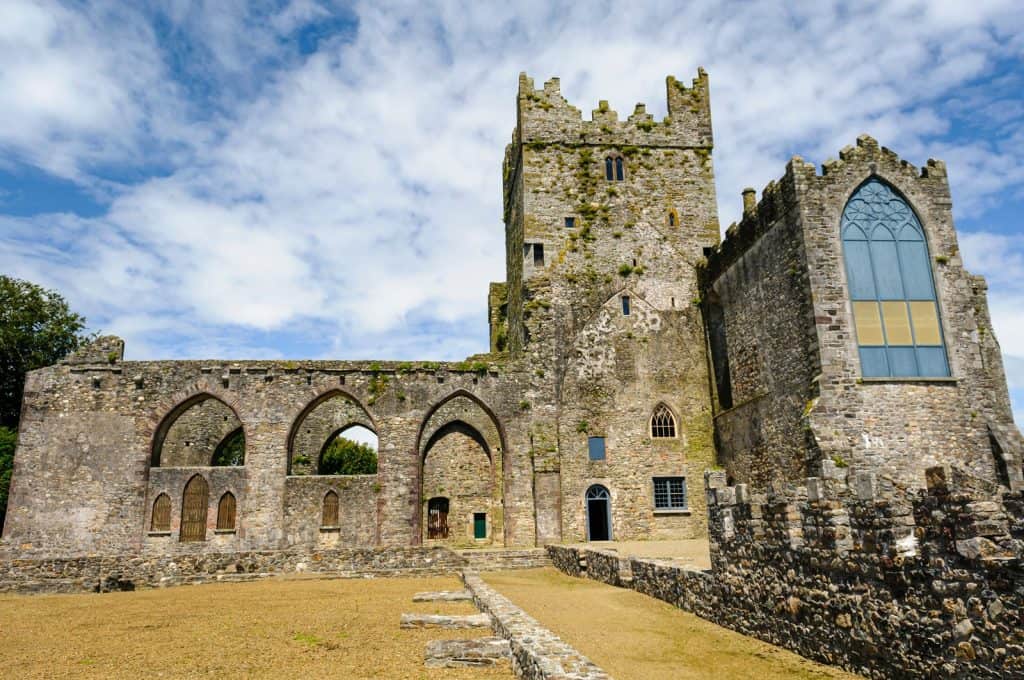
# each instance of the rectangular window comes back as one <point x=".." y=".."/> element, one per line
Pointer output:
<point x="625" y="305"/>
<point x="670" y="493"/>
<point x="570" y="222"/>
<point x="538" y="254"/>
<point x="526" y="250"/>
<point x="595" y="446"/>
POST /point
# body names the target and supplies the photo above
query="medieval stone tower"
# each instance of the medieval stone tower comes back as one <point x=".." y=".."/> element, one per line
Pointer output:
<point x="605" y="222"/>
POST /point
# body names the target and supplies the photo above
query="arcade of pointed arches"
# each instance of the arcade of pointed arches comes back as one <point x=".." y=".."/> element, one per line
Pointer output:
<point x="460" y="445"/>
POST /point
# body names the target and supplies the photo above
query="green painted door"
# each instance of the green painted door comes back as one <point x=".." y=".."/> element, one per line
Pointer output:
<point x="479" y="525"/>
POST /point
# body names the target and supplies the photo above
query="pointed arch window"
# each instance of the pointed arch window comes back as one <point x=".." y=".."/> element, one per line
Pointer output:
<point x="892" y="293"/>
<point x="330" y="514"/>
<point x="194" y="509"/>
<point x="160" y="521"/>
<point x="226" y="512"/>
<point x="609" y="169"/>
<point x="663" y="423"/>
<point x="673" y="219"/>
<point x="620" y="173"/>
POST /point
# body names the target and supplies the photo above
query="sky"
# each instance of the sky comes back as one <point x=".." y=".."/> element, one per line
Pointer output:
<point x="311" y="179"/>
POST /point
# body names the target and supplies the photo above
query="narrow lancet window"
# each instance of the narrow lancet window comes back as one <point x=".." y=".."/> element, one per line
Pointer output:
<point x="663" y="423"/>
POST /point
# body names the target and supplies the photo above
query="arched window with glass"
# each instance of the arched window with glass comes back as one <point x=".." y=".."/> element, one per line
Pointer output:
<point x="892" y="293"/>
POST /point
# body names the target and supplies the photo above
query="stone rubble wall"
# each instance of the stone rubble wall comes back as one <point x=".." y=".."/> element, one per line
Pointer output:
<point x="36" y="573"/>
<point x="868" y="577"/>
<point x="537" y="653"/>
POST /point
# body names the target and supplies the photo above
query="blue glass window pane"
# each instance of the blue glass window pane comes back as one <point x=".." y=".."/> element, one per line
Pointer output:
<point x="858" y="269"/>
<point x="625" y="305"/>
<point x="917" y="274"/>
<point x="887" y="270"/>
<point x="910" y="233"/>
<point x="902" y="361"/>
<point x="932" y="361"/>
<point x="595" y="446"/>
<point x="619" y="175"/>
<point x="608" y="168"/>
<point x="853" y="233"/>
<point x="873" y="363"/>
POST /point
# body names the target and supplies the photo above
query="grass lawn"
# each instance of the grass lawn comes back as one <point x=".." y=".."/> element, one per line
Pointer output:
<point x="635" y="637"/>
<point x="266" y="629"/>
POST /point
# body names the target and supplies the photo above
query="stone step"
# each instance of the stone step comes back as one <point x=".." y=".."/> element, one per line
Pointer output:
<point x="443" y="596"/>
<point x="485" y="651"/>
<point x="445" y="621"/>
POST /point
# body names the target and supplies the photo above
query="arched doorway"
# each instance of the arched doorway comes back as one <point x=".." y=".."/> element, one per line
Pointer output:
<point x="194" y="509"/>
<point x="599" y="514"/>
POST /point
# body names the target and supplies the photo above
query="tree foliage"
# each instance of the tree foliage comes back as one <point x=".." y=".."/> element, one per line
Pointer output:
<point x="36" y="329"/>
<point x="231" y="451"/>
<point x="346" y="457"/>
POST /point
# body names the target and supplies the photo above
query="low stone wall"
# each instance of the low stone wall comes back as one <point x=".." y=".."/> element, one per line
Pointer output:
<point x="537" y="653"/>
<point x="94" y="573"/>
<point x="498" y="560"/>
<point x="868" y="577"/>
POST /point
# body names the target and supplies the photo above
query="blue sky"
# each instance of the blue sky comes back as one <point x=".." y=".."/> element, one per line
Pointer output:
<point x="318" y="179"/>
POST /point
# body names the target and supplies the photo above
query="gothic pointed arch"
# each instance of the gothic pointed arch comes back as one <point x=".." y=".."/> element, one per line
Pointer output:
<point x="194" y="509"/>
<point x="160" y="519"/>
<point x="891" y="286"/>
<point x="663" y="422"/>
<point x="190" y="434"/>
<point x="226" y="509"/>
<point x="324" y="418"/>
<point x="460" y="444"/>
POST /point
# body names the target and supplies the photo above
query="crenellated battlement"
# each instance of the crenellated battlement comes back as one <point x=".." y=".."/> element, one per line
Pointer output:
<point x="866" y="157"/>
<point x="546" y="117"/>
<point x="865" y="524"/>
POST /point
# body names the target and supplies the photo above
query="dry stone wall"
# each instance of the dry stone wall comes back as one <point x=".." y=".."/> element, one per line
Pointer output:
<point x="867" y="576"/>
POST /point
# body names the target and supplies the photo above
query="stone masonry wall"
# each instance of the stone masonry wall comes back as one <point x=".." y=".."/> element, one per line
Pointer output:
<point x="83" y="480"/>
<point x="869" y="577"/>
<point x="603" y="240"/>
<point x="768" y="338"/>
<point x="894" y="426"/>
<point x="193" y="438"/>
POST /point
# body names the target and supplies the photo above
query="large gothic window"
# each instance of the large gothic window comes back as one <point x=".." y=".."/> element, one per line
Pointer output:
<point x="891" y="289"/>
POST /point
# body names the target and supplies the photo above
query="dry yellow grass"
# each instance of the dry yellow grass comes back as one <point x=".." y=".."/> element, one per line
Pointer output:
<point x="268" y="629"/>
<point x="635" y="637"/>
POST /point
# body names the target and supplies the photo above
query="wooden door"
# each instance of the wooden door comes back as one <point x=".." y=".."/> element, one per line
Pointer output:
<point x="194" y="507"/>
<point x="437" y="518"/>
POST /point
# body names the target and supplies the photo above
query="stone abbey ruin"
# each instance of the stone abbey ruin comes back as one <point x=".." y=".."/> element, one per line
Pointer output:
<point x="819" y="393"/>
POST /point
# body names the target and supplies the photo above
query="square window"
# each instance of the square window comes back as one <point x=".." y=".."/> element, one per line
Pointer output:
<point x="570" y="222"/>
<point x="595" y="446"/>
<point x="670" y="493"/>
<point x="625" y="305"/>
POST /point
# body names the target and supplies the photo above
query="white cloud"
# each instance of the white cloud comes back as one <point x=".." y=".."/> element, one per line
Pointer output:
<point x="354" y="194"/>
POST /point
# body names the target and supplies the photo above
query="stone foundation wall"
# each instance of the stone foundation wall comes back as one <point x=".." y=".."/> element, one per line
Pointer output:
<point x="93" y="573"/>
<point x="868" y="577"/>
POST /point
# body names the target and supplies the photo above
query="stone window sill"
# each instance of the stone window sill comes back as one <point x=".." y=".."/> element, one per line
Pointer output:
<point x="672" y="511"/>
<point x="224" y="531"/>
<point x="950" y="381"/>
<point x="158" y="533"/>
<point x="330" y="530"/>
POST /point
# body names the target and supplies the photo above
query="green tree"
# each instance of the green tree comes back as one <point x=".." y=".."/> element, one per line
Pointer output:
<point x="36" y="329"/>
<point x="346" y="457"/>
<point x="231" y="451"/>
<point x="8" y="440"/>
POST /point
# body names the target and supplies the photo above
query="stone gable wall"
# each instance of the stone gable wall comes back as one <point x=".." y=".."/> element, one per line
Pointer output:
<point x="895" y="427"/>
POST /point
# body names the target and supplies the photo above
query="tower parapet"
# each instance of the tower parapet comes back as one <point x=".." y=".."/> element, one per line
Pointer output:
<point x="545" y="117"/>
